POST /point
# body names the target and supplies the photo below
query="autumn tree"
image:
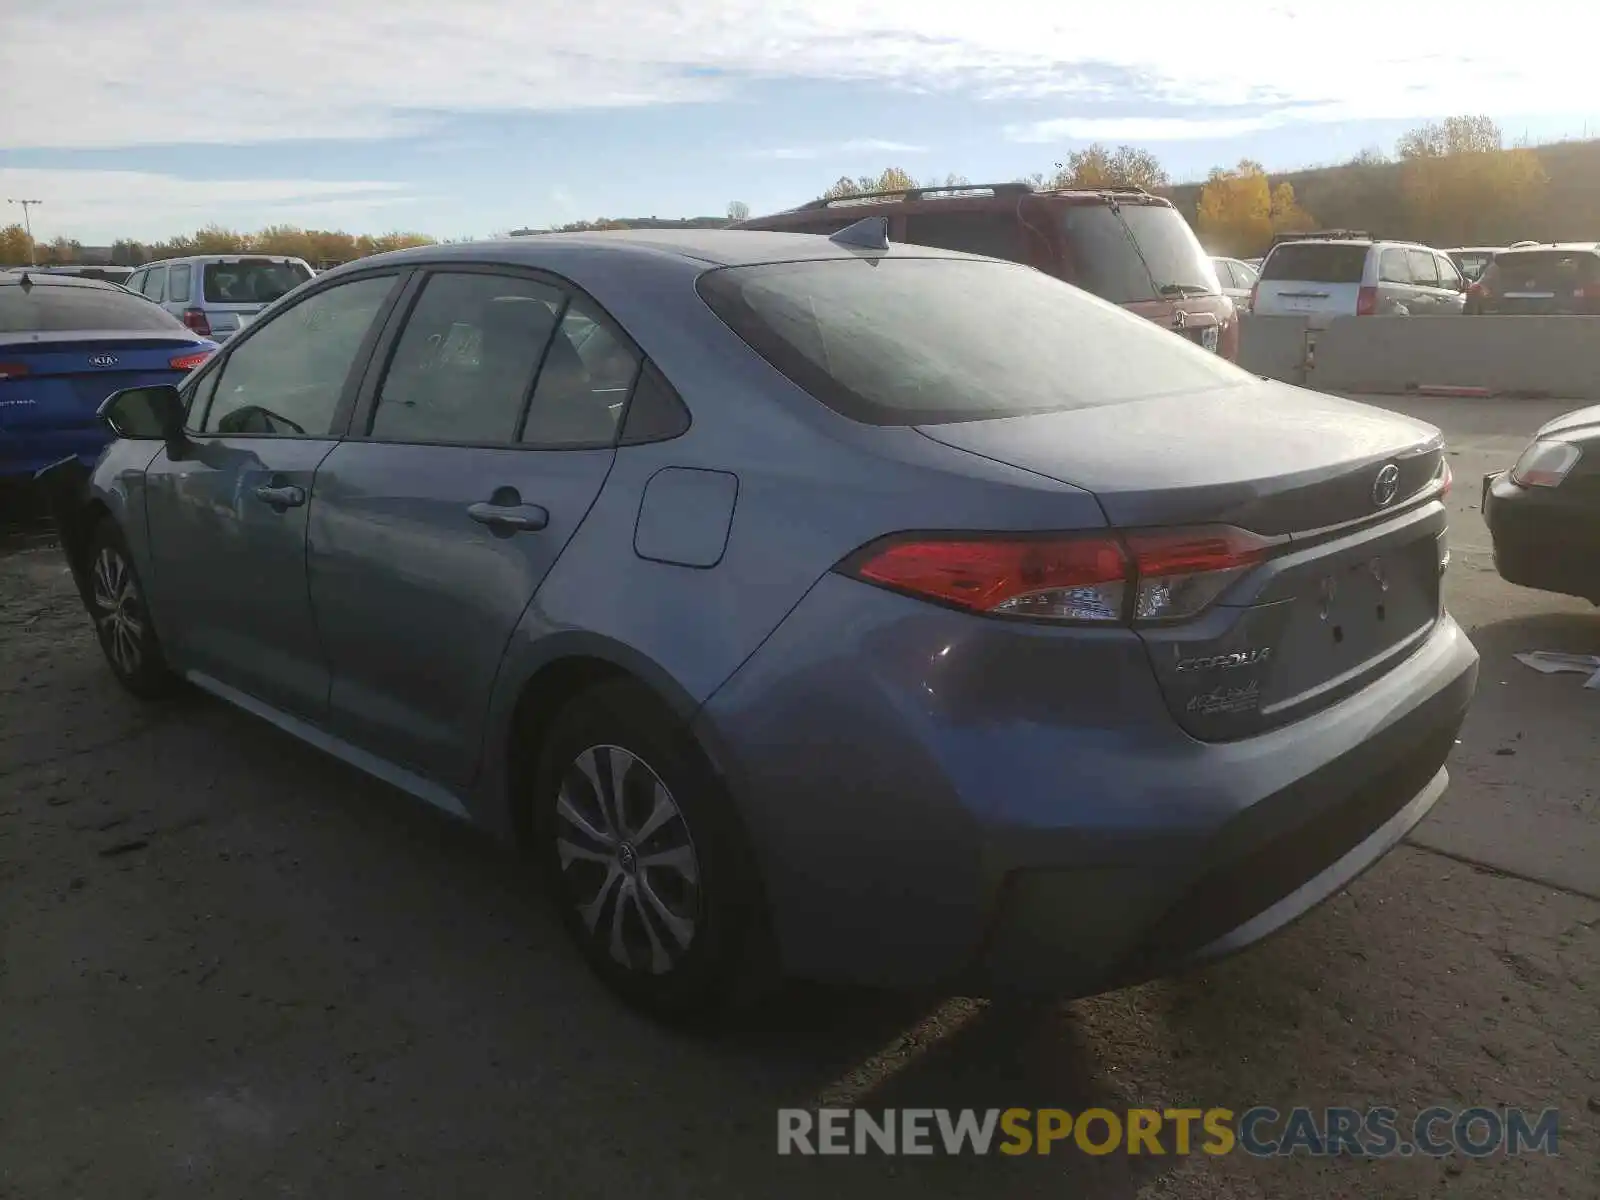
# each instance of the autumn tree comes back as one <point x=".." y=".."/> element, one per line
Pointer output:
<point x="738" y="210"/>
<point x="1240" y="210"/>
<point x="951" y="182"/>
<point x="892" y="180"/>
<point x="1463" y="187"/>
<point x="15" y="250"/>
<point x="1099" y="166"/>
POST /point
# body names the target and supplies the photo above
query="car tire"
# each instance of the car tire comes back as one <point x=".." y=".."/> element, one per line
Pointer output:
<point x="647" y="860"/>
<point x="115" y="598"/>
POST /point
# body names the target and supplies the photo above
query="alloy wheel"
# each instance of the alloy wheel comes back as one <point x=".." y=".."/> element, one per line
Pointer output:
<point x="627" y="860"/>
<point x="118" y="614"/>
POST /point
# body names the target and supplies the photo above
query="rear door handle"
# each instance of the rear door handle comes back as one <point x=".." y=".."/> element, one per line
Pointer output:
<point x="281" y="497"/>
<point x="526" y="517"/>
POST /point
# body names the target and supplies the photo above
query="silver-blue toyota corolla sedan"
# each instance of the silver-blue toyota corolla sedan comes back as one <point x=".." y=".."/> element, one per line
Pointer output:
<point x="810" y="607"/>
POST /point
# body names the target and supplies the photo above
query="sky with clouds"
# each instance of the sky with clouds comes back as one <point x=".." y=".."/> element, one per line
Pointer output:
<point x="459" y="117"/>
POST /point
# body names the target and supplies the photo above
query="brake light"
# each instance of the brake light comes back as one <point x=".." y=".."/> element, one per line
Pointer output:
<point x="1144" y="575"/>
<point x="1367" y="302"/>
<point x="188" y="362"/>
<point x="196" y="320"/>
<point x="12" y="370"/>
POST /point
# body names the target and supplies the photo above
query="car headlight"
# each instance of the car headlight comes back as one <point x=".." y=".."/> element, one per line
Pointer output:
<point x="1545" y="464"/>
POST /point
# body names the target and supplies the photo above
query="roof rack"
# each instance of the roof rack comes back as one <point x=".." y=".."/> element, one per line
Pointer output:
<point x="921" y="193"/>
<point x="1324" y="235"/>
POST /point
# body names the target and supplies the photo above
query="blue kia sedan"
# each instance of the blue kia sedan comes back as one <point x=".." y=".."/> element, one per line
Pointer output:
<point x="806" y="606"/>
<point x="66" y="343"/>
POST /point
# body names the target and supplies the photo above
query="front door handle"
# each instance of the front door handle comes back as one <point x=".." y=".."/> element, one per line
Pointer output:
<point x="509" y="517"/>
<point x="281" y="496"/>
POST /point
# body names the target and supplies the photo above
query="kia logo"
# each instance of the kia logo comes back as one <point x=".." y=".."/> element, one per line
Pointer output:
<point x="102" y="360"/>
<point x="1386" y="486"/>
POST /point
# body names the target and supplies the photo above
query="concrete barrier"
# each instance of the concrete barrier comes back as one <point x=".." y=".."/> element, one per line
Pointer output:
<point x="1274" y="347"/>
<point x="1552" y="356"/>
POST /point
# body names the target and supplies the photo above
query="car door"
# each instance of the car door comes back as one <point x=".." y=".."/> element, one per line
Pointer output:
<point x="228" y="517"/>
<point x="1395" y="292"/>
<point x="476" y="452"/>
<point x="1425" y="283"/>
<point x="1452" y="286"/>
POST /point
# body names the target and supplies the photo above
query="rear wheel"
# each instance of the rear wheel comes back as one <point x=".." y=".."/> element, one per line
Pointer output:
<point x="645" y="857"/>
<point x="121" y="619"/>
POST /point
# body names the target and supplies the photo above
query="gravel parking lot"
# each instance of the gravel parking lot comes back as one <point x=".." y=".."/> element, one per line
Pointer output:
<point x="234" y="967"/>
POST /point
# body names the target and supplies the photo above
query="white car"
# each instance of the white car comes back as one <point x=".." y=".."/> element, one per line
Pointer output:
<point x="1338" y="275"/>
<point x="216" y="295"/>
<point x="1238" y="280"/>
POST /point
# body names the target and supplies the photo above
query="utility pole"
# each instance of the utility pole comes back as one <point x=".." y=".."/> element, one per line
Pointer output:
<point x="28" y="226"/>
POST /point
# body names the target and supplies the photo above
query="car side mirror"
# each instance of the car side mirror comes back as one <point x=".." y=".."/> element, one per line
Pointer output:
<point x="147" y="414"/>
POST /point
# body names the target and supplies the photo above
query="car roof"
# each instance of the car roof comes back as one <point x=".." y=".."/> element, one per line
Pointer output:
<point x="1568" y="247"/>
<point x="46" y="278"/>
<point x="706" y="247"/>
<point x="232" y="256"/>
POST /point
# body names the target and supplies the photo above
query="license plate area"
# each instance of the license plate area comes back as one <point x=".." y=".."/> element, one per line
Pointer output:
<point x="1353" y="609"/>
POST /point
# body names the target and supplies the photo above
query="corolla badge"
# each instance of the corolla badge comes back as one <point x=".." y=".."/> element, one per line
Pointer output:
<point x="1226" y="662"/>
<point x="102" y="360"/>
<point x="1386" y="486"/>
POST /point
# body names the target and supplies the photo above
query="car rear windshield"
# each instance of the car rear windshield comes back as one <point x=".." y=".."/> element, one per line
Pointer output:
<point x="1544" y="270"/>
<point x="58" y="308"/>
<point x="1316" y="262"/>
<point x="251" y="281"/>
<point x="1135" y="252"/>
<point x="913" y="341"/>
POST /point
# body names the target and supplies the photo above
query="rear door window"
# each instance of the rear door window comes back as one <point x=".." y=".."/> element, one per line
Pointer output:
<point x="47" y="308"/>
<point x="1393" y="267"/>
<point x="996" y="234"/>
<point x="1424" y="271"/>
<point x="155" y="283"/>
<point x="1315" y="262"/>
<point x="251" y="280"/>
<point x="583" y="383"/>
<point x="178" y="283"/>
<point x="464" y="364"/>
<point x="910" y="341"/>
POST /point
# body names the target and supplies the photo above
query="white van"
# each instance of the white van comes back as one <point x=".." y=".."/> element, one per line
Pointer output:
<point x="216" y="295"/>
<point x="1330" y="276"/>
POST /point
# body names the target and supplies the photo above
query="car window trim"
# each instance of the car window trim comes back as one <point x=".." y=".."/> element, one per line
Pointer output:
<point x="365" y="402"/>
<point x="353" y="377"/>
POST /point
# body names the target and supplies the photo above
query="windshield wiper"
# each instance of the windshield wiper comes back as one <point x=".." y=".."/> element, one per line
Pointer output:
<point x="1184" y="289"/>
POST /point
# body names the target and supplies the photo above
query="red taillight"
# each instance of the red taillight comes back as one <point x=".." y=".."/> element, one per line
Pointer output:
<point x="1477" y="289"/>
<point x="188" y="362"/>
<point x="1367" y="302"/>
<point x="195" y="319"/>
<point x="13" y="370"/>
<point x="1146" y="575"/>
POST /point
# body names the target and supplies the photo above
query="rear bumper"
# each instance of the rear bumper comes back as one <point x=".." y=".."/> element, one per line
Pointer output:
<point x="1542" y="538"/>
<point x="23" y="452"/>
<point x="942" y="800"/>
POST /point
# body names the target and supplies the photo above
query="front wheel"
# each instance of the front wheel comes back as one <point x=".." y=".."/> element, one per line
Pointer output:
<point x="121" y="618"/>
<point x="646" y="858"/>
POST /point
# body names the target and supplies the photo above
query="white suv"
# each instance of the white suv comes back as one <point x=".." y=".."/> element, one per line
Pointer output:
<point x="1324" y="276"/>
<point x="216" y="295"/>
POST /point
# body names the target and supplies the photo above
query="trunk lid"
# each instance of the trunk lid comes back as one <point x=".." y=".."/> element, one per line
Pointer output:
<point x="67" y="376"/>
<point x="1354" y="586"/>
<point x="1543" y="283"/>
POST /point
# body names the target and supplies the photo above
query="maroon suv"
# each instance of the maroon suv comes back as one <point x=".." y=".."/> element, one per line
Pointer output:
<point x="1122" y="244"/>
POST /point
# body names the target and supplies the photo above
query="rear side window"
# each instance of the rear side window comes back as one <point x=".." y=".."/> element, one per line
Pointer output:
<point x="251" y="280"/>
<point x="912" y="341"/>
<point x="47" y="308"/>
<point x="1315" y="262"/>
<point x="998" y="235"/>
<point x="1424" y="270"/>
<point x="178" y="283"/>
<point x="154" y="284"/>
<point x="583" y="383"/>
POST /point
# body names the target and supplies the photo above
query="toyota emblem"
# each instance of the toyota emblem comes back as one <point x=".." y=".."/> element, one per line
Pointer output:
<point x="1386" y="486"/>
<point x="102" y="360"/>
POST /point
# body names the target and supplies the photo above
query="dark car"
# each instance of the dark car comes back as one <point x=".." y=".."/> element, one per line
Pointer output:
<point x="822" y="607"/>
<point x="1544" y="513"/>
<point x="1122" y="244"/>
<point x="1550" y="280"/>
<point x="66" y="343"/>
